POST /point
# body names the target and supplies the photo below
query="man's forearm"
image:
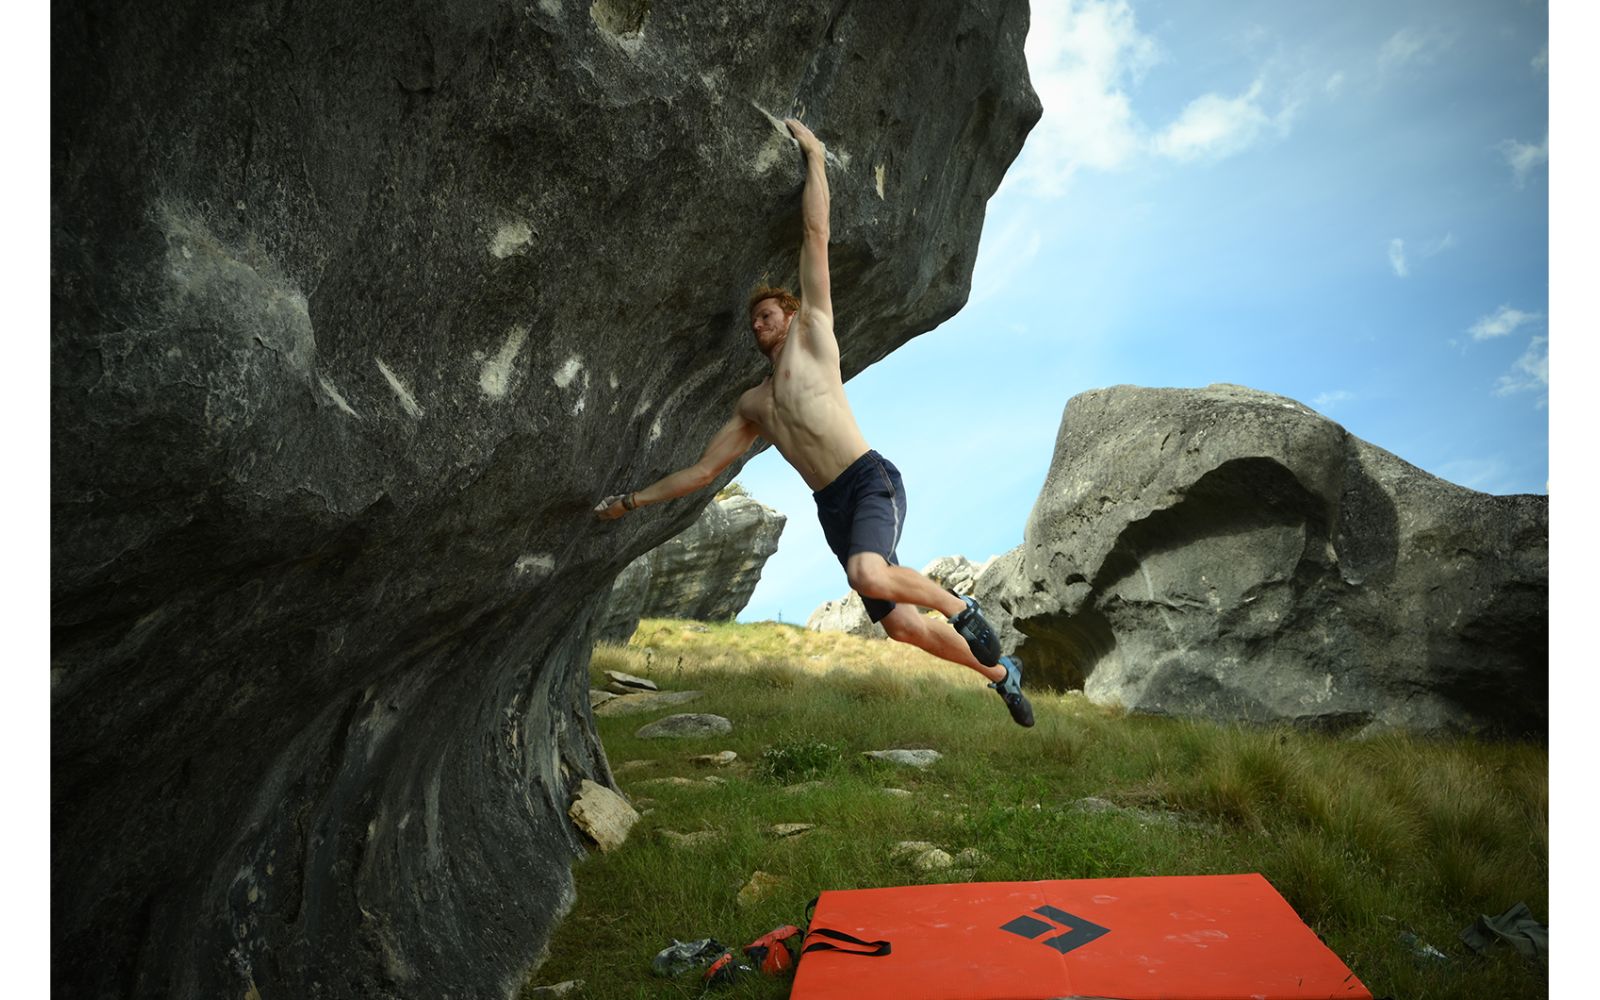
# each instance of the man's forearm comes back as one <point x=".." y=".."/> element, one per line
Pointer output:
<point x="814" y="200"/>
<point x="678" y="484"/>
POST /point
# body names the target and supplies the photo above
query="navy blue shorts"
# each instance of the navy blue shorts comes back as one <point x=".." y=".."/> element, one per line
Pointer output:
<point x="862" y="511"/>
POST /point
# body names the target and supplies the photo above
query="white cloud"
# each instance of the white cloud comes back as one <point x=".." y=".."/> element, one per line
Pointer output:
<point x="1524" y="157"/>
<point x="1081" y="56"/>
<point x="1413" y="45"/>
<point x="1397" y="256"/>
<point x="1002" y="255"/>
<point x="1212" y="126"/>
<point x="1334" y="84"/>
<point x="1084" y="56"/>
<point x="1541" y="62"/>
<point x="1438" y="246"/>
<point x="1501" y="322"/>
<point x="1335" y="397"/>
<point x="1531" y="371"/>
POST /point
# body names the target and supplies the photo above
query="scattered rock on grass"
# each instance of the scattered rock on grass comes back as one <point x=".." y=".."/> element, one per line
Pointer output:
<point x="922" y="855"/>
<point x="623" y="683"/>
<point x="644" y="701"/>
<point x="911" y="758"/>
<point x="722" y="758"/>
<point x="760" y="886"/>
<point x="598" y="697"/>
<point x="602" y="814"/>
<point x="694" y="839"/>
<point x="899" y="793"/>
<point x="570" y="988"/>
<point x="688" y="724"/>
<point x="804" y="786"/>
<point x="790" y="829"/>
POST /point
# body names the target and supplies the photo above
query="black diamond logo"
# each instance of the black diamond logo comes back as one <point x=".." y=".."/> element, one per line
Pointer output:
<point x="1079" y="931"/>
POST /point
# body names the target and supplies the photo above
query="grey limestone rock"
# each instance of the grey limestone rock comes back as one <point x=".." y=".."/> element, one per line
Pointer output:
<point x="849" y="615"/>
<point x="689" y="724"/>
<point x="356" y="311"/>
<point x="706" y="573"/>
<point x="1231" y="554"/>
<point x="920" y="759"/>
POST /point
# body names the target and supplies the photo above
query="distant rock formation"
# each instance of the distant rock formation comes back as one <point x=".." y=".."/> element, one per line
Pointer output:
<point x="706" y="573"/>
<point x="356" y="311"/>
<point x="849" y="615"/>
<point x="1228" y="553"/>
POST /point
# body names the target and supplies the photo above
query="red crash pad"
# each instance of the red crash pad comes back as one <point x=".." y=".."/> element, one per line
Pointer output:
<point x="1191" y="937"/>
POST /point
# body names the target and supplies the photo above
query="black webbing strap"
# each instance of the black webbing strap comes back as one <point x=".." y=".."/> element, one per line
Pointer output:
<point x="877" y="948"/>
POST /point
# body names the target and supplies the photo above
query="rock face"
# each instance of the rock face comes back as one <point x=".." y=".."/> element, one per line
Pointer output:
<point x="1228" y="553"/>
<point x="355" y="313"/>
<point x="707" y="573"/>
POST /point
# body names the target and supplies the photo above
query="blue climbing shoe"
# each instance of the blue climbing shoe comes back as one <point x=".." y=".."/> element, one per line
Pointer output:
<point x="1010" y="688"/>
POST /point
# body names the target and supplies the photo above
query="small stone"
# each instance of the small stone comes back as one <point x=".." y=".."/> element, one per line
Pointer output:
<point x="899" y="793"/>
<point x="633" y="765"/>
<point x="714" y="779"/>
<point x="570" y="988"/>
<point x="910" y="848"/>
<point x="760" y="886"/>
<point x="602" y="814"/>
<point x="675" y="782"/>
<point x="644" y="701"/>
<point x="804" y="786"/>
<point x="685" y="725"/>
<point x="910" y="758"/>
<point x="598" y="697"/>
<point x="790" y="829"/>
<point x="971" y="857"/>
<point x="628" y="682"/>
<point x="681" y="840"/>
<point x="721" y="758"/>
<point x="1094" y="804"/>
<point x="933" y="860"/>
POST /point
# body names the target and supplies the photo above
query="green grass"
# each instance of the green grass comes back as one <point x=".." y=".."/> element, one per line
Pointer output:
<point x="1365" y="839"/>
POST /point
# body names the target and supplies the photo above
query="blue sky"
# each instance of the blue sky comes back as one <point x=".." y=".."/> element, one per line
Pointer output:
<point x="1344" y="203"/>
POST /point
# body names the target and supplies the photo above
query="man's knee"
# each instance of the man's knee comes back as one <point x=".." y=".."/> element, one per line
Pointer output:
<point x="869" y="577"/>
<point x="902" y="627"/>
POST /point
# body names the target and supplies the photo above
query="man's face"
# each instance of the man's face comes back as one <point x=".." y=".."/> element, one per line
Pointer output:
<point x="769" y="323"/>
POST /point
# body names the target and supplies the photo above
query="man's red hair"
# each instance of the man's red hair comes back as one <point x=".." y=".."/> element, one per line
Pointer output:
<point x="786" y="300"/>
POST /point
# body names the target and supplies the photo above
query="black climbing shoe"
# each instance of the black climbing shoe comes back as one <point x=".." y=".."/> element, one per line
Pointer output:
<point x="974" y="628"/>
<point x="1010" y="688"/>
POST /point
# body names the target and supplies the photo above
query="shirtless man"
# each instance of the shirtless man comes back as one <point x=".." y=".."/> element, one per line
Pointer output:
<point x="801" y="409"/>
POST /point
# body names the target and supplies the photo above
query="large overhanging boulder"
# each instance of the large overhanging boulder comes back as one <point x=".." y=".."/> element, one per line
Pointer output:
<point x="356" y="312"/>
<point x="1231" y="554"/>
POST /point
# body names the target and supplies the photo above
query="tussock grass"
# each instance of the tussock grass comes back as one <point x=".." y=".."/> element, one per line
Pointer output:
<point x="1366" y="839"/>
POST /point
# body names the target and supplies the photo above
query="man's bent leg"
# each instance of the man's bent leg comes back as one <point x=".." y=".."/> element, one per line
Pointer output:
<point x="871" y="576"/>
<point x="908" y="625"/>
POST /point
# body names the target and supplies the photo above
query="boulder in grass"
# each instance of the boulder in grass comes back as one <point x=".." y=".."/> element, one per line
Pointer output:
<point x="910" y="758"/>
<point x="622" y="683"/>
<point x="688" y="725"/>
<point x="644" y="701"/>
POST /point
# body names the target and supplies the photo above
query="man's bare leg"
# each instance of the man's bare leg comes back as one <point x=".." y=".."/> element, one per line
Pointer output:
<point x="908" y="625"/>
<point x="871" y="576"/>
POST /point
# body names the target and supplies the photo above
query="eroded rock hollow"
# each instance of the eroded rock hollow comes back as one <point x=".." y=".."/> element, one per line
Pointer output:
<point x="356" y="311"/>
<point x="1230" y="554"/>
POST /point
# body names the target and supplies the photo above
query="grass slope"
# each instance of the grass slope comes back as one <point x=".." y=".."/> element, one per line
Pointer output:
<point x="1368" y="840"/>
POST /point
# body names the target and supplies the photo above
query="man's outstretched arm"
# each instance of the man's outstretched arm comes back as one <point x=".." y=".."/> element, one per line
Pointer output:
<point x="733" y="440"/>
<point x="816" y="297"/>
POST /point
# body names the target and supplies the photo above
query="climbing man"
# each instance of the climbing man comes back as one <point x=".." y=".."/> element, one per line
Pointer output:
<point x="801" y="409"/>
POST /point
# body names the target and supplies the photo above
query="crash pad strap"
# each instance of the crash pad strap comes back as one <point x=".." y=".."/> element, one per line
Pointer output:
<point x="878" y="948"/>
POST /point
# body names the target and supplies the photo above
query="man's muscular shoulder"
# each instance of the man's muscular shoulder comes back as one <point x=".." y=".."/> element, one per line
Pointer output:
<point x="755" y="402"/>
